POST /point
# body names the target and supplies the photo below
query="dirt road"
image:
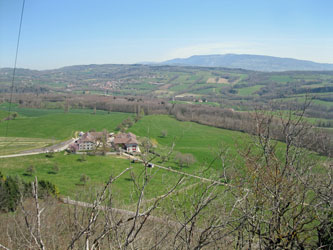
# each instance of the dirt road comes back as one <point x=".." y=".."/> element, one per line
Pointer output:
<point x="54" y="148"/>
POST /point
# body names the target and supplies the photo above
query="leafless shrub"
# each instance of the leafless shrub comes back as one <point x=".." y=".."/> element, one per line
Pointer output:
<point x="185" y="159"/>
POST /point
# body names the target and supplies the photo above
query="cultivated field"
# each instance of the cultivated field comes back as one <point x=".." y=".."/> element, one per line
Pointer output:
<point x="14" y="145"/>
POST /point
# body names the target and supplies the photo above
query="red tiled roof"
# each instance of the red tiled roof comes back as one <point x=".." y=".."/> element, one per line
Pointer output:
<point x="123" y="138"/>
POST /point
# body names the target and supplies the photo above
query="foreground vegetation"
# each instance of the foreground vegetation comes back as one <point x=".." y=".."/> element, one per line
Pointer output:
<point x="70" y="168"/>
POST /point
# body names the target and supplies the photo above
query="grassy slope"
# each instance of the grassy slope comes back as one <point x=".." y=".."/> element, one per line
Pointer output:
<point x="3" y="114"/>
<point x="35" y="128"/>
<point x="98" y="168"/>
<point x="249" y="90"/>
<point x="61" y="126"/>
<point x="202" y="141"/>
<point x="281" y="78"/>
<point x="301" y="98"/>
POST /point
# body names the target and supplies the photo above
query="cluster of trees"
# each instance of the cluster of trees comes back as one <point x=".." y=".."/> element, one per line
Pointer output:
<point x="325" y="124"/>
<point x="11" y="116"/>
<point x="185" y="159"/>
<point x="14" y="190"/>
<point x="286" y="204"/>
<point x="36" y="89"/>
<point x="126" y="124"/>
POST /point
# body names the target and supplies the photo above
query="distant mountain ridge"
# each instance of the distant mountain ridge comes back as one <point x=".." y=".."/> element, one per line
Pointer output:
<point x="250" y="62"/>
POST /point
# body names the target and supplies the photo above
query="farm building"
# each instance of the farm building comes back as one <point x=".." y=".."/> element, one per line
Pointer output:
<point x="126" y="141"/>
<point x="90" y="140"/>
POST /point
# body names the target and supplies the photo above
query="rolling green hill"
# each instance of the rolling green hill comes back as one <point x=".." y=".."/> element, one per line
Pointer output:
<point x="202" y="141"/>
<point x="232" y="88"/>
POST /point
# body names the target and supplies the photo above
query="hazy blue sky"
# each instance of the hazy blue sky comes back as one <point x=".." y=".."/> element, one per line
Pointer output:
<point x="57" y="33"/>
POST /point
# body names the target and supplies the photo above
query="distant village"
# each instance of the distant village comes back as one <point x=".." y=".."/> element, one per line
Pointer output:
<point x="121" y="142"/>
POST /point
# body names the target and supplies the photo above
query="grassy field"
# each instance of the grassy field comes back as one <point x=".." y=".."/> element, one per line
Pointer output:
<point x="323" y="103"/>
<point x="203" y="142"/>
<point x="36" y="128"/>
<point x="60" y="126"/>
<point x="281" y="78"/>
<point x="301" y="98"/>
<point x="3" y="114"/>
<point x="249" y="90"/>
<point x="13" y="145"/>
<point x="97" y="168"/>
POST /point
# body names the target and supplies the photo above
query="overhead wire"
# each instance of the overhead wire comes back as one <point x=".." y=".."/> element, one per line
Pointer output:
<point x="14" y="69"/>
<point x="13" y="77"/>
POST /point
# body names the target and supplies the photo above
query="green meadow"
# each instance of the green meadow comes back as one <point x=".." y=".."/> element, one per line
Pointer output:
<point x="281" y="78"/>
<point x="60" y="126"/>
<point x="248" y="90"/>
<point x="37" y="128"/>
<point x="203" y="142"/>
<point x="301" y="99"/>
<point x="3" y="114"/>
<point x="97" y="168"/>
